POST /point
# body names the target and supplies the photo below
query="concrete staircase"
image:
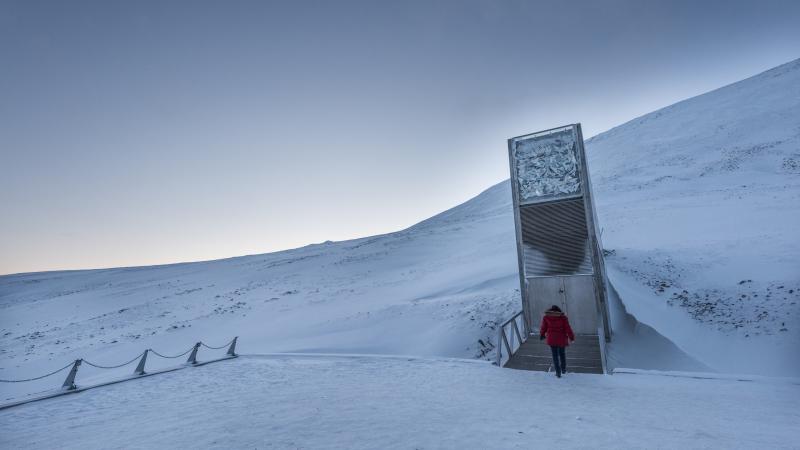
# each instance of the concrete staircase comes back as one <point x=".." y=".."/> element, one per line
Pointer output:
<point x="583" y="355"/>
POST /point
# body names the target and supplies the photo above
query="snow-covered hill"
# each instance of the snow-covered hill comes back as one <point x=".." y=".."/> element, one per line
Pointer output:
<point x="437" y="288"/>
<point x="701" y="203"/>
<point x="698" y="202"/>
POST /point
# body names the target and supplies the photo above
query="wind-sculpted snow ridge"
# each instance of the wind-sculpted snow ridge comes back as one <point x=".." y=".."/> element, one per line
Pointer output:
<point x="699" y="208"/>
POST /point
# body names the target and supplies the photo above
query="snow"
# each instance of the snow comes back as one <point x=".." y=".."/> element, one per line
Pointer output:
<point x="636" y="344"/>
<point x="370" y="402"/>
<point x="419" y="291"/>
<point x="700" y="202"/>
<point x="699" y="208"/>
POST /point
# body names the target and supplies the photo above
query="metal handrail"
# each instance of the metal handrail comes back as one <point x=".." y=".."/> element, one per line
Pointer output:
<point x="503" y="338"/>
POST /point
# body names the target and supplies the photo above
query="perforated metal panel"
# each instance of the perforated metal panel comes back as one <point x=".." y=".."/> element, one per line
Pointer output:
<point x="555" y="239"/>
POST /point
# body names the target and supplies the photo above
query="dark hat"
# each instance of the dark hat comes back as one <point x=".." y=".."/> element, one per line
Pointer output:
<point x="555" y="308"/>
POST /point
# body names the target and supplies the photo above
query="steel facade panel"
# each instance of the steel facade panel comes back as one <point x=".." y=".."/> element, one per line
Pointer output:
<point x="555" y="239"/>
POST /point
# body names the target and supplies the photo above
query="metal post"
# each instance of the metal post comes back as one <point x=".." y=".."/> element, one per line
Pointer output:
<point x="193" y="356"/>
<point x="69" y="383"/>
<point x="140" y="368"/>
<point x="516" y="330"/>
<point x="505" y="341"/>
<point x="499" y="352"/>
<point x="232" y="348"/>
<point x="526" y="310"/>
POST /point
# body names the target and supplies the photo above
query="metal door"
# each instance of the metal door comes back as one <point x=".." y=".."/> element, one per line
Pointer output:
<point x="581" y="306"/>
<point x="573" y="294"/>
<point x="542" y="293"/>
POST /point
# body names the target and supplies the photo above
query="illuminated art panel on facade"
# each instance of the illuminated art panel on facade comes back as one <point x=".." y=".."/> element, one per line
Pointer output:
<point x="547" y="167"/>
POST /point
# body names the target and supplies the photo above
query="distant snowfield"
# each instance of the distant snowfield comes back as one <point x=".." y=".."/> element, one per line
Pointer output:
<point x="699" y="201"/>
<point x="367" y="402"/>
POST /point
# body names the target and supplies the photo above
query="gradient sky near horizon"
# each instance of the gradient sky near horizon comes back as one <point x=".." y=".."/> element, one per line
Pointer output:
<point x="149" y="132"/>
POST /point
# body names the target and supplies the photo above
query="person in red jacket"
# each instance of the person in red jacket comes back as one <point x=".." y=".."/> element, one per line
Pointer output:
<point x="555" y="326"/>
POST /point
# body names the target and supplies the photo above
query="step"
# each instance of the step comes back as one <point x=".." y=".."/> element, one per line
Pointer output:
<point x="583" y="355"/>
<point x="576" y="343"/>
<point x="548" y="359"/>
<point x="548" y="368"/>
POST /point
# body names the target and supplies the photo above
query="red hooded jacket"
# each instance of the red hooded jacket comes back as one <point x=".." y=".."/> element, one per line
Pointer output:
<point x="555" y="326"/>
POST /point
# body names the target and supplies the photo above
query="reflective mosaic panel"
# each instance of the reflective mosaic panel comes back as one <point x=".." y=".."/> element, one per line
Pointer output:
<point x="547" y="166"/>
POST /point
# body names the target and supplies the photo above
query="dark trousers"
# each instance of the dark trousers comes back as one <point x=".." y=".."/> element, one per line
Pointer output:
<point x="559" y="359"/>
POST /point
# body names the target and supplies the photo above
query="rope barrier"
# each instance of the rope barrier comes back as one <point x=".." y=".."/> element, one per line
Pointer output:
<point x="217" y="348"/>
<point x="114" y="367"/>
<point x="171" y="357"/>
<point x="77" y="362"/>
<point x="38" y="378"/>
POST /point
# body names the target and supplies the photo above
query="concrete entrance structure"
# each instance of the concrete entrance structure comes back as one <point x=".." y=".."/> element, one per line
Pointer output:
<point x="558" y="245"/>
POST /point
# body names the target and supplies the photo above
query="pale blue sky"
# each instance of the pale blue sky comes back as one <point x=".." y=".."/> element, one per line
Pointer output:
<point x="138" y="132"/>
